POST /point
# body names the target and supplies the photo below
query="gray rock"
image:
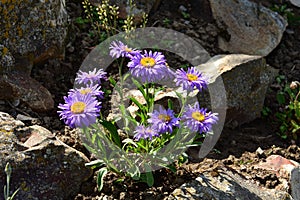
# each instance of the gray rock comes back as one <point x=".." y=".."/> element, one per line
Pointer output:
<point x="295" y="183"/>
<point x="246" y="79"/>
<point x="19" y="86"/>
<point x="33" y="30"/>
<point x="295" y="2"/>
<point x="252" y="28"/>
<point x="7" y="61"/>
<point x="42" y="166"/>
<point x="225" y="186"/>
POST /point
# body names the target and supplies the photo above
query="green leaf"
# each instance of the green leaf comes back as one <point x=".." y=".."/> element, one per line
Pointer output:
<point x="129" y="141"/>
<point x="141" y="107"/>
<point x="95" y="163"/>
<point x="14" y="194"/>
<point x="5" y="195"/>
<point x="150" y="179"/>
<point x="170" y="104"/>
<point x="147" y="177"/>
<point x="172" y="168"/>
<point x="283" y="128"/>
<point x="297" y="109"/>
<point x="139" y="86"/>
<point x="112" y="81"/>
<point x="101" y="173"/>
<point x="280" y="98"/>
<point x="113" y="131"/>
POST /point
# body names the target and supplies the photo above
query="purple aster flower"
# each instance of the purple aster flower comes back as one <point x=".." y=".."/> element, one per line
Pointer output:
<point x="91" y="77"/>
<point x="149" y="67"/>
<point x="163" y="120"/>
<point x="144" y="132"/>
<point x="79" y="110"/>
<point x="198" y="119"/>
<point x="118" y="49"/>
<point x="94" y="90"/>
<point x="190" y="79"/>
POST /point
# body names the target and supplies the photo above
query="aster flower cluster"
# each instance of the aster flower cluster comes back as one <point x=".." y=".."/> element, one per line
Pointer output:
<point x="82" y="105"/>
<point x="151" y="67"/>
<point x="154" y="128"/>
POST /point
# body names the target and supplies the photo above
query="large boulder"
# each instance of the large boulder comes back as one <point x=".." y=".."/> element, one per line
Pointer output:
<point x="295" y="183"/>
<point x="33" y="30"/>
<point x="42" y="166"/>
<point x="225" y="185"/>
<point x="19" y="86"/>
<point x="251" y="28"/>
<point x="246" y="79"/>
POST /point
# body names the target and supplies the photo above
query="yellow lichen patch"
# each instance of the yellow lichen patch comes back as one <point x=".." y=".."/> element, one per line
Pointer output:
<point x="6" y="34"/>
<point x="4" y="51"/>
<point x="3" y="1"/>
<point x="20" y="31"/>
<point x="11" y="7"/>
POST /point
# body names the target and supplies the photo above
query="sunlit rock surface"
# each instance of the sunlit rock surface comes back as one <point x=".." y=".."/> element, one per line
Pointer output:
<point x="245" y="78"/>
<point x="251" y="28"/>
<point x="225" y="185"/>
<point x="42" y="166"/>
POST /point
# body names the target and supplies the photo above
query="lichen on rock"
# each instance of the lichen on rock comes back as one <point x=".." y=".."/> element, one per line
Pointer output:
<point x="29" y="28"/>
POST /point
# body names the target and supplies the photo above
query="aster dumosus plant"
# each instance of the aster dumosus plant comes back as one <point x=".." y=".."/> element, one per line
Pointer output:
<point x="159" y="134"/>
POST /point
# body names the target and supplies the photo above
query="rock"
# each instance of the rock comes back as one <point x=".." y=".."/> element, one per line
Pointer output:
<point x="33" y="31"/>
<point x="42" y="166"/>
<point x="246" y="79"/>
<point x="225" y="185"/>
<point x="260" y="153"/>
<point x="281" y="166"/>
<point x="295" y="183"/>
<point x="252" y="28"/>
<point x="7" y="61"/>
<point x="295" y="2"/>
<point x="16" y="85"/>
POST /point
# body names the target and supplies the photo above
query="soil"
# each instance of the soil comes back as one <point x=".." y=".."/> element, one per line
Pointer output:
<point x="236" y="148"/>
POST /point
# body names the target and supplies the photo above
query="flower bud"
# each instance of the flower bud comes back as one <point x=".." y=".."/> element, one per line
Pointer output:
<point x="8" y="169"/>
<point x="294" y="85"/>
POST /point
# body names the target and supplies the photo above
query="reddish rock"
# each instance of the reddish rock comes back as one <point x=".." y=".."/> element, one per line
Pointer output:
<point x="280" y="165"/>
<point x="21" y="86"/>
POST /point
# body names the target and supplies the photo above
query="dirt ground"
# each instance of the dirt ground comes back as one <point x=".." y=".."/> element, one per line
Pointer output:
<point x="235" y="149"/>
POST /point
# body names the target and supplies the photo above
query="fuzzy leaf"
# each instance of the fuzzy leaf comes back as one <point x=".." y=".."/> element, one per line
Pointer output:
<point x="113" y="131"/>
<point x="95" y="163"/>
<point x="101" y="173"/>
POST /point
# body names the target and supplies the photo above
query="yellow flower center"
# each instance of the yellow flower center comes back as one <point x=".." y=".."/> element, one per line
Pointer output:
<point x="166" y="118"/>
<point x="191" y="77"/>
<point x="78" y="107"/>
<point x="128" y="49"/>
<point x="198" y="116"/>
<point x="85" y="91"/>
<point x="148" y="62"/>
